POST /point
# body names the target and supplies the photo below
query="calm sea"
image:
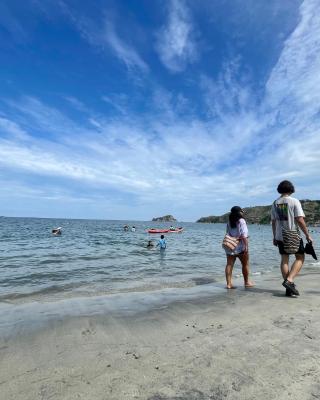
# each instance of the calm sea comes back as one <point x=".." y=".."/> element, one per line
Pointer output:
<point x="98" y="259"/>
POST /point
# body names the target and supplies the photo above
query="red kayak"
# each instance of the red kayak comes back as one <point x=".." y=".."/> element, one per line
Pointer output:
<point x="177" y="230"/>
<point x="158" y="230"/>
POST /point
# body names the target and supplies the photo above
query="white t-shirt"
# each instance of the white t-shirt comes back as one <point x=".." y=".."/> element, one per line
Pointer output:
<point x="241" y="230"/>
<point x="284" y="211"/>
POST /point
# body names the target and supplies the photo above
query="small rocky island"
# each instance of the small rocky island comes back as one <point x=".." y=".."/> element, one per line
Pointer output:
<point x="165" y="218"/>
<point x="261" y="214"/>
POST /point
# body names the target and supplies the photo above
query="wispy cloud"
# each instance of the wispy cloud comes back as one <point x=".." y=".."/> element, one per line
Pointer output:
<point x="175" y="40"/>
<point x="104" y="35"/>
<point x="127" y="54"/>
<point x="294" y="82"/>
<point x="117" y="101"/>
<point x="76" y="103"/>
<point x="230" y="93"/>
<point x="31" y="113"/>
<point x="13" y="130"/>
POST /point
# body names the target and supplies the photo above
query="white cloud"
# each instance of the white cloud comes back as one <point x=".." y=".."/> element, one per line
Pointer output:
<point x="127" y="54"/>
<point x="104" y="36"/>
<point x="293" y="97"/>
<point x="226" y="94"/>
<point x="12" y="129"/>
<point x="118" y="102"/>
<point x="77" y="104"/>
<point x="295" y="79"/>
<point x="123" y="156"/>
<point x="175" y="41"/>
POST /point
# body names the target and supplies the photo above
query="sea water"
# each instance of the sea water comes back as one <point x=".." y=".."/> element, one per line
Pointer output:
<point x="98" y="261"/>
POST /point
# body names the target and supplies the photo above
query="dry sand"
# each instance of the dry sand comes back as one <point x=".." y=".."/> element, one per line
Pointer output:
<point x="244" y="344"/>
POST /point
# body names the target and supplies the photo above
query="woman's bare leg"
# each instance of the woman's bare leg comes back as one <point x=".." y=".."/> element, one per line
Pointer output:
<point x="229" y="268"/>
<point x="244" y="258"/>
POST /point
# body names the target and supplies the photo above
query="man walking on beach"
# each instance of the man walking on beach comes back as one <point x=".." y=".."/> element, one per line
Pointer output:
<point x="286" y="214"/>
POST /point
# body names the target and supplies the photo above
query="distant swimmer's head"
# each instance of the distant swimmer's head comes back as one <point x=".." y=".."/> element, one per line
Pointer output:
<point x="285" y="187"/>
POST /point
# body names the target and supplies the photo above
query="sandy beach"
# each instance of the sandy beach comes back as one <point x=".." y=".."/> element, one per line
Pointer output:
<point x="241" y="344"/>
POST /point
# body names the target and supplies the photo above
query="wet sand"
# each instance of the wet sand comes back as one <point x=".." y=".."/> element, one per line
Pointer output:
<point x="241" y="344"/>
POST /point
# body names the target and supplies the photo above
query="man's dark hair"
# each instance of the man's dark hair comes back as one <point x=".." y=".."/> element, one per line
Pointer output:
<point x="285" y="187"/>
<point x="162" y="236"/>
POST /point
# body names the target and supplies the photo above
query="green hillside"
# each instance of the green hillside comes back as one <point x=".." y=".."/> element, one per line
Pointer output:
<point x="261" y="214"/>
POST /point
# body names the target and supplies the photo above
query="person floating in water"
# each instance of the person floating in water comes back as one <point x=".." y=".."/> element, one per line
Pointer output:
<point x="150" y="244"/>
<point x="125" y="228"/>
<point x="162" y="243"/>
<point x="172" y="228"/>
<point x="133" y="229"/>
<point x="56" y="231"/>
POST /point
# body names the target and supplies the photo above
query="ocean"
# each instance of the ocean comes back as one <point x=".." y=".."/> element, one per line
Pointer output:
<point x="95" y="265"/>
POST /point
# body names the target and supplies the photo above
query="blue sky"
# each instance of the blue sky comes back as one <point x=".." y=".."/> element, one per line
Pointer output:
<point x="135" y="109"/>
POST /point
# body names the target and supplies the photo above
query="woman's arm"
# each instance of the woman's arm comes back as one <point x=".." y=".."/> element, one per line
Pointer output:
<point x="246" y="244"/>
<point x="243" y="230"/>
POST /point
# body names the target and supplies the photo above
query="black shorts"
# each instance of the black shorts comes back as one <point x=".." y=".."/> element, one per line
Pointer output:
<point x="281" y="247"/>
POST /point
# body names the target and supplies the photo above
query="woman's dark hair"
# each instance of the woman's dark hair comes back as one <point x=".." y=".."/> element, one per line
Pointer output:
<point x="235" y="215"/>
<point x="285" y="187"/>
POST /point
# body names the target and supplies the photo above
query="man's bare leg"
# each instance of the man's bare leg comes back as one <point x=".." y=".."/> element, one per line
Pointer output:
<point x="296" y="267"/>
<point x="284" y="265"/>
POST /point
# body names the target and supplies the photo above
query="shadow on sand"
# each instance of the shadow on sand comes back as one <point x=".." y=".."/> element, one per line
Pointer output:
<point x="276" y="293"/>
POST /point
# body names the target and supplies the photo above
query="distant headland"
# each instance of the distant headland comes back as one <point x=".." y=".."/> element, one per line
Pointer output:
<point x="165" y="218"/>
<point x="261" y="214"/>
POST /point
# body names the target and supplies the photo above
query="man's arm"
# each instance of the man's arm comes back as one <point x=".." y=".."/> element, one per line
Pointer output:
<point x="274" y="232"/>
<point x="301" y="222"/>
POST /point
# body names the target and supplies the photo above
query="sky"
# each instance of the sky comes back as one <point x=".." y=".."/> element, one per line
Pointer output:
<point x="134" y="109"/>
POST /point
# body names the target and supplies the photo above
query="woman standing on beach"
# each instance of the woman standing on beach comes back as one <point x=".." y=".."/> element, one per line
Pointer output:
<point x="237" y="228"/>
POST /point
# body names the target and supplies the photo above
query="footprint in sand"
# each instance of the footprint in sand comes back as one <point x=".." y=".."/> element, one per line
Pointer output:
<point x="88" y="332"/>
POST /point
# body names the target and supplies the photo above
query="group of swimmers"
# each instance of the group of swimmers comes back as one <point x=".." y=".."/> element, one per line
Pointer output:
<point x="126" y="228"/>
<point x="162" y="244"/>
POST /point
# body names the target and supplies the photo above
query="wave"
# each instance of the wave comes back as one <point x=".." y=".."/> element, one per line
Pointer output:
<point x="47" y="290"/>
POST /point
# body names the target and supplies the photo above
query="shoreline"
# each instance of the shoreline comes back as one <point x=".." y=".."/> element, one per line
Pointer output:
<point x="238" y="344"/>
<point x="32" y="313"/>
